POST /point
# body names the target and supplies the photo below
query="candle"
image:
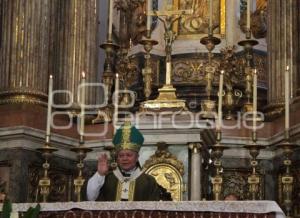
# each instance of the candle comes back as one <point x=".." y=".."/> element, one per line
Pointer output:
<point x="149" y="17"/>
<point x="218" y="126"/>
<point x="286" y="97"/>
<point x="168" y="73"/>
<point x="210" y="14"/>
<point x="254" y="99"/>
<point x="82" y="104"/>
<point x="117" y="84"/>
<point x="110" y="19"/>
<point x="50" y="99"/>
<point x="248" y="15"/>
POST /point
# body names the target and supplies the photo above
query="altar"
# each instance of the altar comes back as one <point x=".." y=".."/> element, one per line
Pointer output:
<point x="209" y="209"/>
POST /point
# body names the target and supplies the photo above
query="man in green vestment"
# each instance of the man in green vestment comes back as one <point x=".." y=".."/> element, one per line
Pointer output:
<point x="127" y="182"/>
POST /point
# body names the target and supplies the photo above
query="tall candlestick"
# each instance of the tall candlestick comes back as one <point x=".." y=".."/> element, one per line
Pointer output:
<point x="168" y="73"/>
<point x="82" y="106"/>
<point x="210" y="14"/>
<point x="287" y="99"/>
<point x="218" y="126"/>
<point x="149" y="17"/>
<point x="248" y="15"/>
<point x="117" y="84"/>
<point x="254" y="99"/>
<point x="50" y="99"/>
<point x="110" y="19"/>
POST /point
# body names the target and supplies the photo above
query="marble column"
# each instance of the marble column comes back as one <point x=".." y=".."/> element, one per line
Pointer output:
<point x="24" y="51"/>
<point x="195" y="171"/>
<point x="282" y="39"/>
<point x="74" y="47"/>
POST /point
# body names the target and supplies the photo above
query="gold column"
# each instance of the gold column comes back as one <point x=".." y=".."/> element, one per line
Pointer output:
<point x="282" y="41"/>
<point x="24" y="51"/>
<point x="47" y="37"/>
<point x="74" y="46"/>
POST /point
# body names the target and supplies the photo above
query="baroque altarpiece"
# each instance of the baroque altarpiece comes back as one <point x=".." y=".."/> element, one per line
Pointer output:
<point x="65" y="38"/>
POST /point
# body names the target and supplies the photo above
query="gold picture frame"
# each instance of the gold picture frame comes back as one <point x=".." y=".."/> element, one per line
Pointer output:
<point x="196" y="19"/>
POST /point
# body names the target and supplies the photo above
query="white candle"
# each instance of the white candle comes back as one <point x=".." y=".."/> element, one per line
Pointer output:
<point x="168" y="73"/>
<point x="254" y="99"/>
<point x="50" y="99"/>
<point x="248" y="15"/>
<point x="117" y="84"/>
<point x="14" y="214"/>
<point x="287" y="99"/>
<point x="82" y="104"/>
<point x="110" y="19"/>
<point x="149" y="17"/>
<point x="210" y="14"/>
<point x="218" y="126"/>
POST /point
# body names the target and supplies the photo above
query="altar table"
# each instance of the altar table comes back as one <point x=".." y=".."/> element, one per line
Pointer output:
<point x="187" y="209"/>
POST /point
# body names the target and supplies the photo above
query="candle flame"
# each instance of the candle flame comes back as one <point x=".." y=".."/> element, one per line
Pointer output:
<point x="83" y="74"/>
<point x="255" y="71"/>
<point x="222" y="71"/>
<point x="117" y="75"/>
<point x="50" y="76"/>
<point x="287" y="67"/>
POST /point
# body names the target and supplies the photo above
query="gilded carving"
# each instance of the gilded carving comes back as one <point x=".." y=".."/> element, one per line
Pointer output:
<point x="60" y="188"/>
<point x="235" y="182"/>
<point x="191" y="70"/>
<point x="167" y="170"/>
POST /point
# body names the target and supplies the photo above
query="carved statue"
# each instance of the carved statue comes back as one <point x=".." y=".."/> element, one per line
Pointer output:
<point x="169" y="35"/>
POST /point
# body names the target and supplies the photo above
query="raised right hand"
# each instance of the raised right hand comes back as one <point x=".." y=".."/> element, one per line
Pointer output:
<point x="103" y="164"/>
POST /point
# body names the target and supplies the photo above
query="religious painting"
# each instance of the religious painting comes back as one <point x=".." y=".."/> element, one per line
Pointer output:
<point x="196" y="24"/>
<point x="261" y="4"/>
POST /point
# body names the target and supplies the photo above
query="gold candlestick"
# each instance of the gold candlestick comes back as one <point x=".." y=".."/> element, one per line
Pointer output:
<point x="287" y="179"/>
<point x="248" y="44"/>
<point x="217" y="153"/>
<point x="105" y="114"/>
<point x="207" y="105"/>
<point x="45" y="182"/>
<point x="81" y="151"/>
<point x="147" y="71"/>
<point x="254" y="178"/>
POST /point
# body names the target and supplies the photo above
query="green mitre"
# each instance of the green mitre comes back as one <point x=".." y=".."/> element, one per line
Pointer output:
<point x="128" y="137"/>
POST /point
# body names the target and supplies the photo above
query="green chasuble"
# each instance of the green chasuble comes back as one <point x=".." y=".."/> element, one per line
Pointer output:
<point x="143" y="188"/>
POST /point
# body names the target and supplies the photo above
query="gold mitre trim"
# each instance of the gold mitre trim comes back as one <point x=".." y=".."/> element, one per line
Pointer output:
<point x="129" y="146"/>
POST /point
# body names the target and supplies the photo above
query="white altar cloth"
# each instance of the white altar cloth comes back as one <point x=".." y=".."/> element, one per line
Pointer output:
<point x="207" y="206"/>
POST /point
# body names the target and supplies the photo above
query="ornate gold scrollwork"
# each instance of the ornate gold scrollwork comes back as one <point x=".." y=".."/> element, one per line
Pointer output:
<point x="236" y="183"/>
<point x="167" y="170"/>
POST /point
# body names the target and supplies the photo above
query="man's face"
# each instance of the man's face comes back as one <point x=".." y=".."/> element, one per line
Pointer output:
<point x="127" y="159"/>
